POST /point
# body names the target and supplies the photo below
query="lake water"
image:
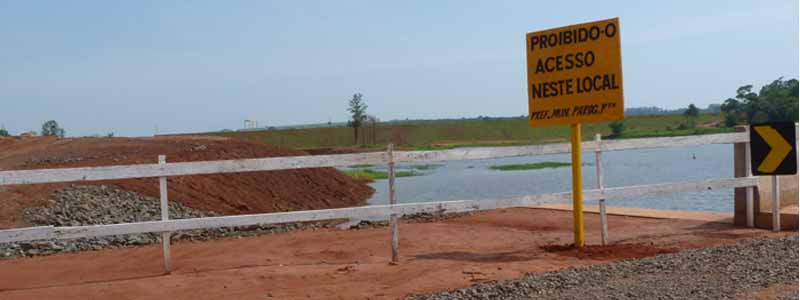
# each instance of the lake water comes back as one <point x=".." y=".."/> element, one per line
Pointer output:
<point x="473" y="180"/>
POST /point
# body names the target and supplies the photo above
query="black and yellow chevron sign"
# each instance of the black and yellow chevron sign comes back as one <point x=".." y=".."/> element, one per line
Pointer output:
<point x="773" y="149"/>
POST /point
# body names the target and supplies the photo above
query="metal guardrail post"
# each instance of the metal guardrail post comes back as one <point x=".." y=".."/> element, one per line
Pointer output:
<point x="598" y="163"/>
<point x="393" y="201"/>
<point x="165" y="236"/>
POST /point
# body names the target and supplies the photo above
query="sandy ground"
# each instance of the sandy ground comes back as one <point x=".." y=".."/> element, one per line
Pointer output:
<point x="786" y="291"/>
<point x="331" y="264"/>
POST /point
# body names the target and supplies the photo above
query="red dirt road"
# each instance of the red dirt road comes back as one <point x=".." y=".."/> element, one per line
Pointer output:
<point x="331" y="264"/>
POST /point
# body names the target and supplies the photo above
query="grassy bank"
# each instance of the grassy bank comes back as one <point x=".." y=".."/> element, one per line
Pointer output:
<point x="372" y="175"/>
<point x="426" y="167"/>
<point x="446" y="134"/>
<point x="674" y="132"/>
<point x="530" y="166"/>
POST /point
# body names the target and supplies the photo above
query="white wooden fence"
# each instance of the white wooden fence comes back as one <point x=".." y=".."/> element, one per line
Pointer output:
<point x="163" y="169"/>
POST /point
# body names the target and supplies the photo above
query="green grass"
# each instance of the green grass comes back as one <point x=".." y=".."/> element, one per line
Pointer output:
<point x="361" y="166"/>
<point x="530" y="166"/>
<point x="372" y="146"/>
<point x="430" y="147"/>
<point x="426" y="167"/>
<point x="448" y="134"/>
<point x="372" y="175"/>
<point x="673" y="132"/>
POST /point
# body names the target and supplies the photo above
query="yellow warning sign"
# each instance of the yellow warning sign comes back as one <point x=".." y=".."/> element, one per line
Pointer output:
<point x="575" y="74"/>
<point x="773" y="148"/>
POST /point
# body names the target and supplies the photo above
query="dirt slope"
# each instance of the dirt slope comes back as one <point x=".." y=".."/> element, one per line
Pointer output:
<point x="234" y="193"/>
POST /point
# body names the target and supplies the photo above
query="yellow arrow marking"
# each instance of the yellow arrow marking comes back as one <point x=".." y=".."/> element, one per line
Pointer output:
<point x="779" y="148"/>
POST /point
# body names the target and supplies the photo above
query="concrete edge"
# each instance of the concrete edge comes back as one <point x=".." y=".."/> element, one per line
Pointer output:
<point x="649" y="213"/>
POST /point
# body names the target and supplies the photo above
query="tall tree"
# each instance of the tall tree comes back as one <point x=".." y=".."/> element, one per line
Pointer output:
<point x="777" y="101"/>
<point x="358" y="114"/>
<point x="733" y="112"/>
<point x="691" y="114"/>
<point x="51" y="128"/>
<point x="372" y="123"/>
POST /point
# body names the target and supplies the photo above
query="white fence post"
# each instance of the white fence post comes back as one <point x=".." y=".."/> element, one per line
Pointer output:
<point x="165" y="236"/>
<point x="749" y="210"/>
<point x="598" y="166"/>
<point x="776" y="204"/>
<point x="393" y="201"/>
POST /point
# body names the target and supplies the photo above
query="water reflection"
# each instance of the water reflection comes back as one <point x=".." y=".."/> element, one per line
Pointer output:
<point x="460" y="180"/>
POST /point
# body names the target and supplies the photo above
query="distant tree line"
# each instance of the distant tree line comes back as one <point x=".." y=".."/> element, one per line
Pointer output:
<point x="777" y="101"/>
<point x="690" y="113"/>
<point x="657" y="111"/>
<point x="774" y="102"/>
<point x="49" y="128"/>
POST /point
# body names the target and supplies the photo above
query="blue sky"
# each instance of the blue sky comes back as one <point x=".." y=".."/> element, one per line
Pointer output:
<point x="132" y="66"/>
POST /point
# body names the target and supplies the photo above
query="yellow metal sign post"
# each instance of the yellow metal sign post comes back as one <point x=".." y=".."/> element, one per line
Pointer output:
<point x="574" y="77"/>
<point x="577" y="184"/>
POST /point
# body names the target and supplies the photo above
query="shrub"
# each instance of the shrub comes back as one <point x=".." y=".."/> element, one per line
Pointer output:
<point x="51" y="128"/>
<point x="617" y="128"/>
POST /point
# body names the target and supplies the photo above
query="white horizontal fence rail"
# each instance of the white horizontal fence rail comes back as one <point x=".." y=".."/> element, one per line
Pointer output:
<point x="363" y="212"/>
<point x="340" y="160"/>
<point x="589" y="146"/>
<point x="188" y="168"/>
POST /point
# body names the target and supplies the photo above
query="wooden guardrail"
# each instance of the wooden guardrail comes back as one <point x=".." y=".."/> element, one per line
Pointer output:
<point x="163" y="170"/>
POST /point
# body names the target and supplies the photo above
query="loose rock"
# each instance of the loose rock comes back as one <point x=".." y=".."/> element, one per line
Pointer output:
<point x="727" y="272"/>
<point x="101" y="204"/>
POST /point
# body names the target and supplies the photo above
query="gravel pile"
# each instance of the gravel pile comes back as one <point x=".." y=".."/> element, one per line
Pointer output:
<point x="727" y="272"/>
<point x="101" y="204"/>
<point x="422" y="217"/>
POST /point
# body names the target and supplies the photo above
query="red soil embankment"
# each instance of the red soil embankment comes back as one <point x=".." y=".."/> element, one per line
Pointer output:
<point x="232" y="193"/>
